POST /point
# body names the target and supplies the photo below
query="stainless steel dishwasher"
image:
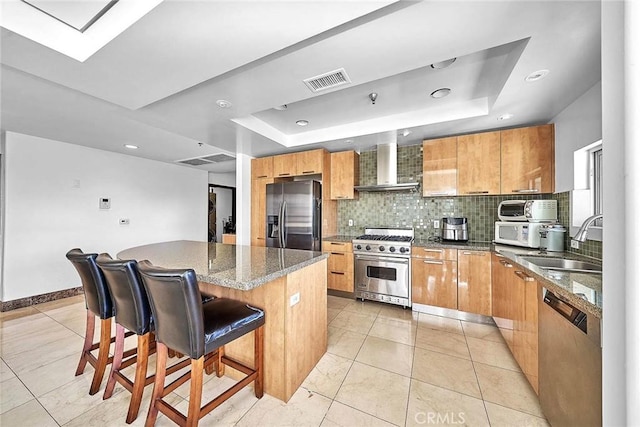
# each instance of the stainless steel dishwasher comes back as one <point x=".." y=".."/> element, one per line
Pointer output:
<point x="570" y="357"/>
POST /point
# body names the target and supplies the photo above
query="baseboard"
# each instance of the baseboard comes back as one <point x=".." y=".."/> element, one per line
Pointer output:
<point x="39" y="299"/>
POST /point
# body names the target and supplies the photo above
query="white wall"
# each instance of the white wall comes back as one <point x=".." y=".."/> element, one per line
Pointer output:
<point x="226" y="179"/>
<point x="52" y="190"/>
<point x="577" y="126"/>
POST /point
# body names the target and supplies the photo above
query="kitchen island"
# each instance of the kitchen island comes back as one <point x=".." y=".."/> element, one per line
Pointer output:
<point x="289" y="285"/>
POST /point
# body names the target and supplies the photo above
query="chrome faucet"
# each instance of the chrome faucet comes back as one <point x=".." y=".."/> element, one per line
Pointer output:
<point x="581" y="235"/>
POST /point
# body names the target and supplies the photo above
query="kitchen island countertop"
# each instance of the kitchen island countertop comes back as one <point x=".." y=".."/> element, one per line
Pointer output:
<point x="233" y="266"/>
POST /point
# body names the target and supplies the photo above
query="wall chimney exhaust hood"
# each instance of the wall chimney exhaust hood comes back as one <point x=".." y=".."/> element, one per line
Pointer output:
<point x="388" y="171"/>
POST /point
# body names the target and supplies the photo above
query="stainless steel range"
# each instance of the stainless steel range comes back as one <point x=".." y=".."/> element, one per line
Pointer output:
<point x="382" y="260"/>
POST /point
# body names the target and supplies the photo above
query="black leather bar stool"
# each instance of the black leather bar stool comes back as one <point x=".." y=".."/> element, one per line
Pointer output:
<point x="197" y="330"/>
<point x="98" y="303"/>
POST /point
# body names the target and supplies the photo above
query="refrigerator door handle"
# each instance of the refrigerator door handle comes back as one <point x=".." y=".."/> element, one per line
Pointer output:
<point x="283" y="216"/>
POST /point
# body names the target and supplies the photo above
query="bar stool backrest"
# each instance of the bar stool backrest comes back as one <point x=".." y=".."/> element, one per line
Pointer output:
<point x="129" y="297"/>
<point x="176" y="305"/>
<point x="96" y="294"/>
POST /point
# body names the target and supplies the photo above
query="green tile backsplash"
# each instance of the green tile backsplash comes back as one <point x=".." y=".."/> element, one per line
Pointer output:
<point x="410" y="209"/>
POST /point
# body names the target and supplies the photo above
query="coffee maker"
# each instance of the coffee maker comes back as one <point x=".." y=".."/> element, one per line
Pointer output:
<point x="454" y="229"/>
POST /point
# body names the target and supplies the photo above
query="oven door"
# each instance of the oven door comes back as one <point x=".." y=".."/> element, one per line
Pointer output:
<point x="382" y="275"/>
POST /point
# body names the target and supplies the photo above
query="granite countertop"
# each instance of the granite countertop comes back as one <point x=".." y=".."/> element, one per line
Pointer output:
<point x="584" y="290"/>
<point x="233" y="266"/>
<point x="469" y="245"/>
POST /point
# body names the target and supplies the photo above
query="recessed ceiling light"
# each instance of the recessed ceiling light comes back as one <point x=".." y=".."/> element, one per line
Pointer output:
<point x="302" y="122"/>
<point x="443" y="64"/>
<point x="536" y="75"/>
<point x="440" y="93"/>
<point x="223" y="104"/>
<point x="281" y="107"/>
<point x="405" y="132"/>
<point x="505" y="116"/>
<point x="131" y="146"/>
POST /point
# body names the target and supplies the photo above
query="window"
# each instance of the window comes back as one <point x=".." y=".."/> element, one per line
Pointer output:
<point x="586" y="196"/>
<point x="596" y="182"/>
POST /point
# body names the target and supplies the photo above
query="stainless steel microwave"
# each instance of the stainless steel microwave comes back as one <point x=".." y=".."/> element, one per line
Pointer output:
<point x="528" y="210"/>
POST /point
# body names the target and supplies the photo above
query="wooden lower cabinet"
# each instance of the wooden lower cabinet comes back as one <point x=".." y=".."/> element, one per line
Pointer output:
<point x="339" y="265"/>
<point x="474" y="282"/>
<point x="434" y="282"/>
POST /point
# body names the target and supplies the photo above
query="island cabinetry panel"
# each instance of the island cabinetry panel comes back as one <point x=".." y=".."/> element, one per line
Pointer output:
<point x="528" y="160"/>
<point x="434" y="280"/>
<point x="339" y="265"/>
<point x="474" y="282"/>
<point x="479" y="164"/>
<point x="440" y="167"/>
<point x="345" y="166"/>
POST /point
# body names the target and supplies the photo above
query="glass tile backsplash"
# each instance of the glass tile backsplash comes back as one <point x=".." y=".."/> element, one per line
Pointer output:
<point x="410" y="209"/>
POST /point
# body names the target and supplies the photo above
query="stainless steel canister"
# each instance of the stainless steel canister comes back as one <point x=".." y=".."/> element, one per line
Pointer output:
<point x="552" y="237"/>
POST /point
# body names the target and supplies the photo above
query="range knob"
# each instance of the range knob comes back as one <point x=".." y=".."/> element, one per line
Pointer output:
<point x="381" y="248"/>
<point x="368" y="248"/>
<point x="403" y="250"/>
<point x="358" y="247"/>
<point x="392" y="249"/>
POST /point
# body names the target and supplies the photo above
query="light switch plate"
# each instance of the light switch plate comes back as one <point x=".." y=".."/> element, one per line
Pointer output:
<point x="105" y="203"/>
<point x="436" y="223"/>
<point x="350" y="223"/>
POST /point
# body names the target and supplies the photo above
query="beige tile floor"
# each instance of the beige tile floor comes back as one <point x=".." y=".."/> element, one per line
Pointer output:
<point x="384" y="366"/>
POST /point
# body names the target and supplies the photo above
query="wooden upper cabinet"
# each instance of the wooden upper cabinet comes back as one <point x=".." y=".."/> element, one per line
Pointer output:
<point x="474" y="282"/>
<point x="285" y="165"/>
<point x="309" y="162"/>
<point x="479" y="164"/>
<point x="345" y="174"/>
<point x="439" y="167"/>
<point x="262" y="168"/>
<point x="528" y="160"/>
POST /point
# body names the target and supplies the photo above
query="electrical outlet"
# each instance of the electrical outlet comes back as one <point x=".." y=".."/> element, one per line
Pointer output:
<point x="124" y="221"/>
<point x="294" y="299"/>
<point x="575" y="244"/>
<point x="350" y="223"/>
<point x="105" y="203"/>
<point x="436" y="223"/>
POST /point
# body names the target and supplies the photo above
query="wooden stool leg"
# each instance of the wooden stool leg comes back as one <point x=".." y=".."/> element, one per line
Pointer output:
<point x="142" y="359"/>
<point x="117" y="361"/>
<point x="158" y="386"/>
<point x="103" y="355"/>
<point x="220" y="364"/>
<point x="88" y="341"/>
<point x="195" y="393"/>
<point x="259" y="361"/>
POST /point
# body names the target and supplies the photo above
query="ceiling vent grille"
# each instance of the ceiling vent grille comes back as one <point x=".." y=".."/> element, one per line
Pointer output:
<point x="327" y="80"/>
<point x="207" y="160"/>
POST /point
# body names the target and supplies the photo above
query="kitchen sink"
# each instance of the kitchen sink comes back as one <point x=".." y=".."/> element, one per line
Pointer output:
<point x="549" y="263"/>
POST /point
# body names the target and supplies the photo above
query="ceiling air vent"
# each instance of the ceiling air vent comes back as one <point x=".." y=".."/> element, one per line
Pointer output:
<point x="327" y="80"/>
<point x="207" y="160"/>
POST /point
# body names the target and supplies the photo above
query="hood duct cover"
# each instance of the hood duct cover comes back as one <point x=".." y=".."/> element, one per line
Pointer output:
<point x="388" y="171"/>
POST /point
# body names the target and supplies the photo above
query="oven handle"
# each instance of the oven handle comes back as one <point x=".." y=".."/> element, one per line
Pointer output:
<point x="383" y="259"/>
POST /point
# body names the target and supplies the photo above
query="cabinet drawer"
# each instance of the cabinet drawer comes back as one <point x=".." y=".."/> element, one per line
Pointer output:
<point x="328" y="246"/>
<point x="340" y="261"/>
<point x="434" y="282"/>
<point x="340" y="280"/>
<point x="435" y="253"/>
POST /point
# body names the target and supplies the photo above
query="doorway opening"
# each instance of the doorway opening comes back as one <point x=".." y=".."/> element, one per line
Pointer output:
<point x="222" y="212"/>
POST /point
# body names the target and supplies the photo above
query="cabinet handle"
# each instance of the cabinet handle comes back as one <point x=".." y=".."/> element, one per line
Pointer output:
<point x="523" y="276"/>
<point x="337" y="243"/>
<point x="433" y="250"/>
<point x="526" y="190"/>
<point x="338" y="273"/>
<point x="337" y="253"/>
<point x="478" y="192"/>
<point x="261" y="176"/>
<point x="477" y="253"/>
<point x="308" y="171"/>
<point x="341" y="197"/>
<point x="284" y="174"/>
<point x="505" y="263"/>
<point x="444" y="193"/>
<point x="433" y="262"/>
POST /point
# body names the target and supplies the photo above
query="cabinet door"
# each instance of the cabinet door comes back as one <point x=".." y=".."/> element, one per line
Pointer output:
<point x="309" y="162"/>
<point x="434" y="282"/>
<point x="345" y="167"/>
<point x="528" y="164"/>
<point x="439" y="167"/>
<point x="479" y="163"/>
<point x="474" y="282"/>
<point x="262" y="168"/>
<point x="285" y="165"/>
<point x="259" y="210"/>
<point x="507" y="295"/>
<point x="525" y="330"/>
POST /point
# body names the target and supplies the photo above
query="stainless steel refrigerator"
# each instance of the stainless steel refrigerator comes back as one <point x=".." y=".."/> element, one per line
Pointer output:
<point x="294" y="215"/>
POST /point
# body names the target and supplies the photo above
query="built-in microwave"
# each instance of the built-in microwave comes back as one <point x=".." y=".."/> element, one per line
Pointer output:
<point x="528" y="210"/>
<point x="526" y="234"/>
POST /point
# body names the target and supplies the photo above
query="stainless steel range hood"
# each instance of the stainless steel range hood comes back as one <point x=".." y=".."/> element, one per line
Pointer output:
<point x="388" y="170"/>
